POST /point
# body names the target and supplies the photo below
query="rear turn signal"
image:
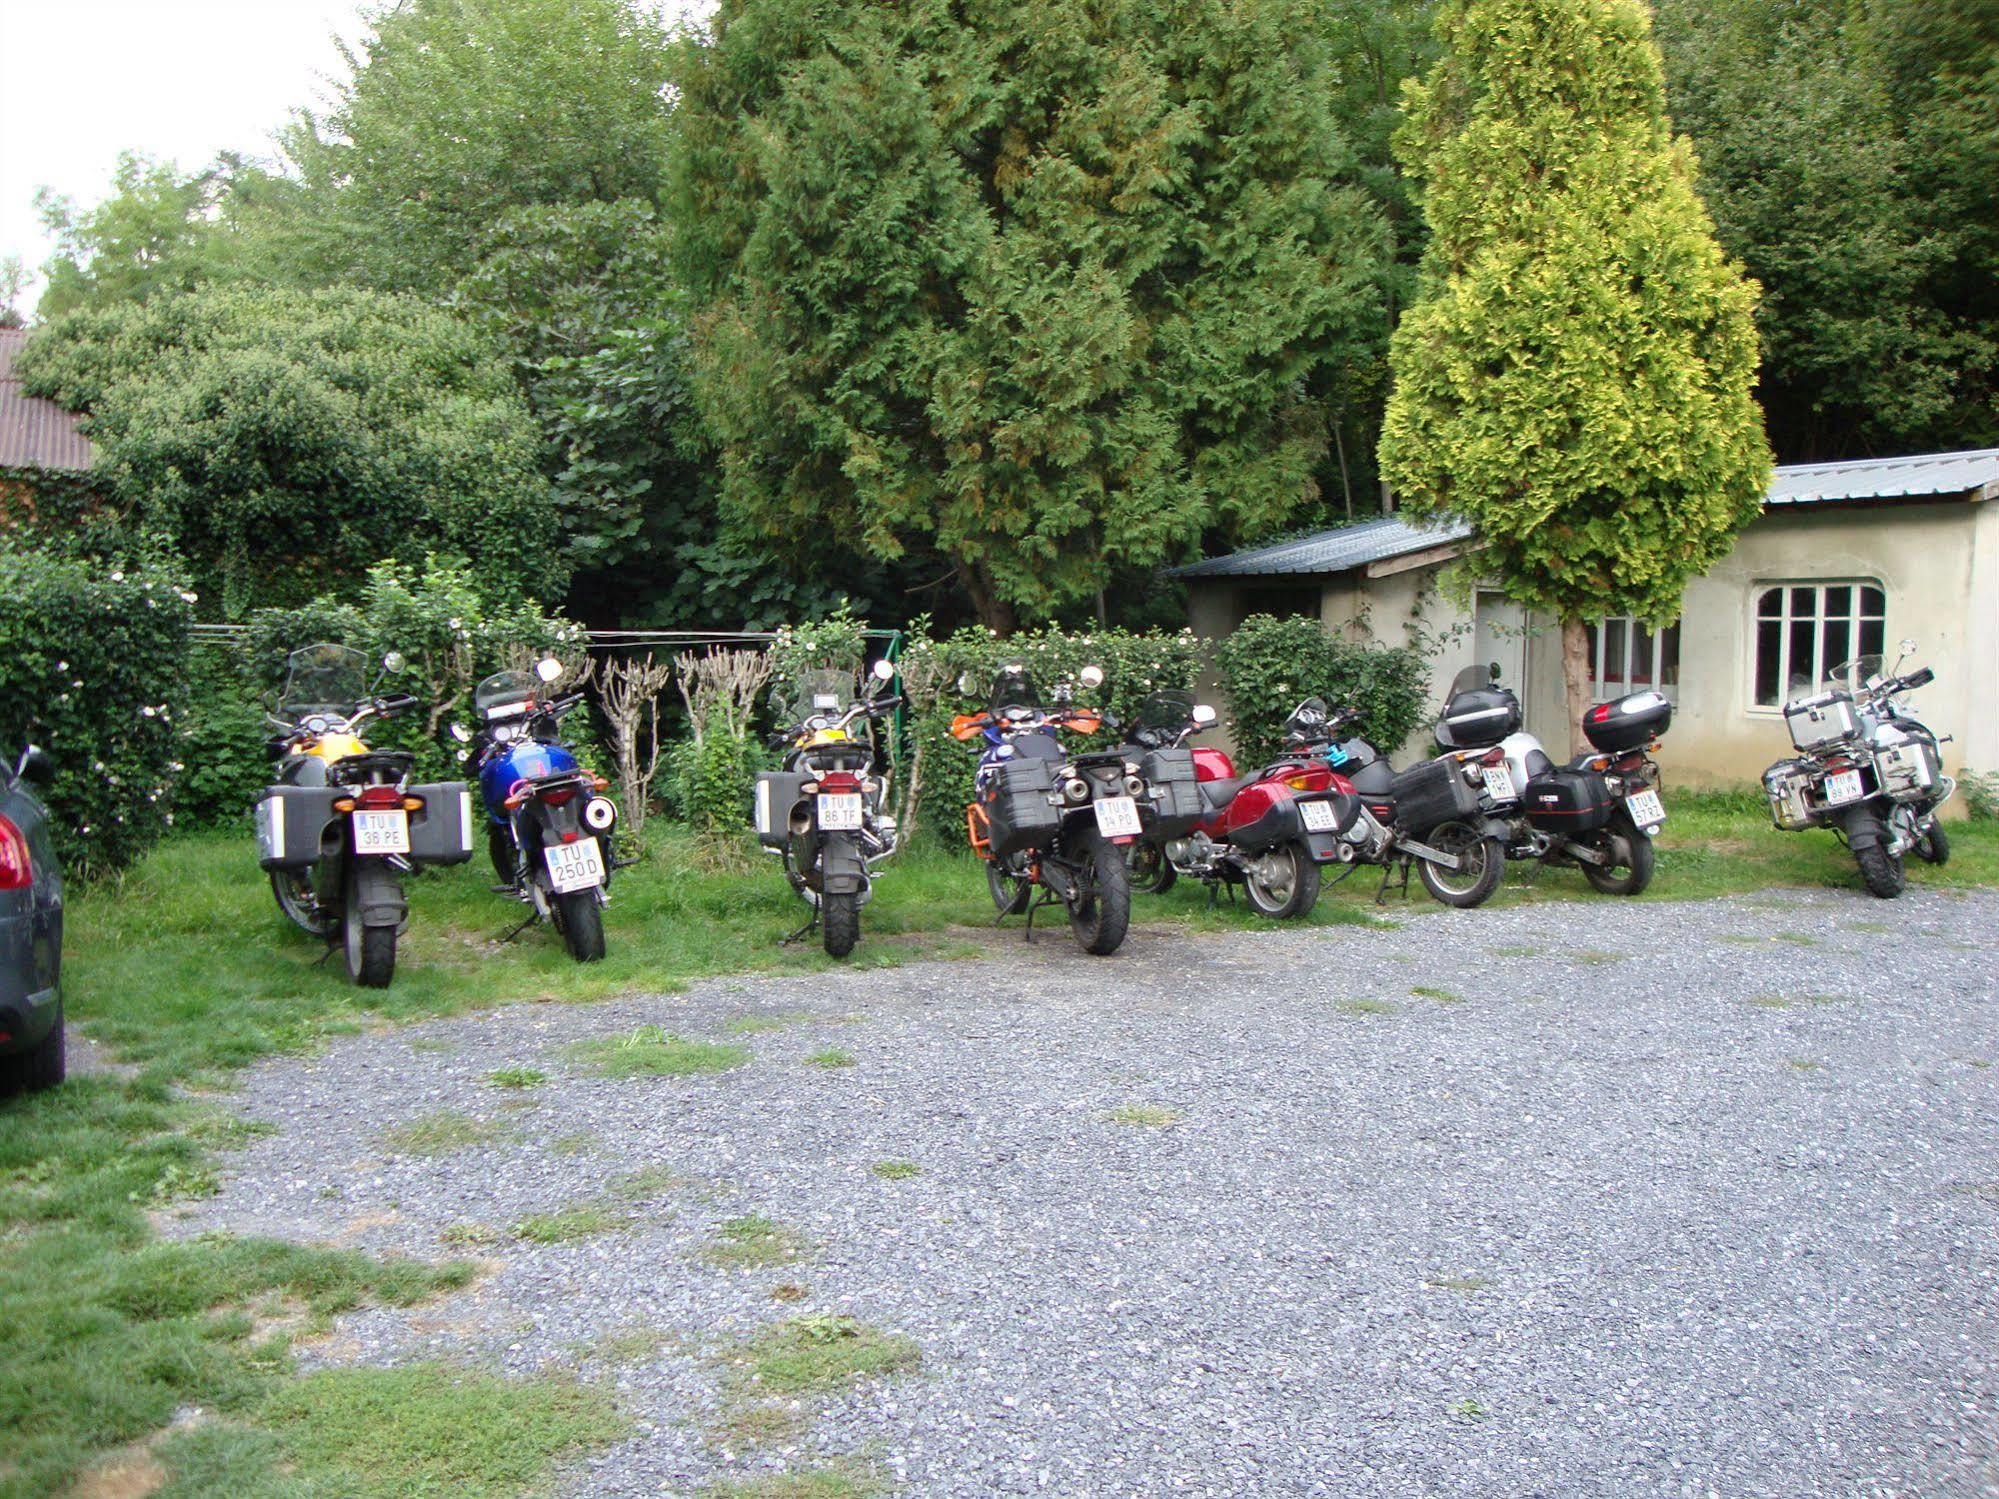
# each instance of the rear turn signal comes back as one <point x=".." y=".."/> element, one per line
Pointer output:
<point x="17" y="870"/>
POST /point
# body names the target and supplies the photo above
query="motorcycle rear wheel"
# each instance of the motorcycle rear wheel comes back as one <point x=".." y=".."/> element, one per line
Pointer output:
<point x="1482" y="863"/>
<point x="580" y="917"/>
<point x="1291" y="887"/>
<point x="1628" y="875"/>
<point x="1882" y="872"/>
<point x="840" y="922"/>
<point x="370" y="951"/>
<point x="1102" y="914"/>
<point x="293" y="889"/>
<point x="1152" y="873"/>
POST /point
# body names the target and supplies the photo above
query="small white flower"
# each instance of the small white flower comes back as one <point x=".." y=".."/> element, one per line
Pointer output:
<point x="117" y="577"/>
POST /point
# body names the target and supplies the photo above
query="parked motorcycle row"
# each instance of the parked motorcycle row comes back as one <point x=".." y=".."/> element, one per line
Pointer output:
<point x="1070" y="808"/>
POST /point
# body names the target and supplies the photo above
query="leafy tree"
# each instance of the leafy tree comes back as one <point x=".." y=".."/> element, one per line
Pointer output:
<point x="1049" y="288"/>
<point x="152" y="234"/>
<point x="13" y="281"/>
<point x="1575" y="376"/>
<point x="284" y="439"/>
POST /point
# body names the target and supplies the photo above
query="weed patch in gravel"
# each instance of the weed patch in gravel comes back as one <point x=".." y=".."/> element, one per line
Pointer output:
<point x="841" y="1481"/>
<point x="754" y="1242"/>
<point x="830" y="1058"/>
<point x="444" y="1133"/>
<point x="895" y="1171"/>
<point x="516" y="1077"/>
<point x="1464" y="1283"/>
<point x="1441" y="996"/>
<point x="645" y="1183"/>
<point x="650" y="1051"/>
<point x="751" y="1025"/>
<point x="583" y="1220"/>
<point x="1368" y="1006"/>
<point x="1144" y="1115"/>
<point x="817" y="1354"/>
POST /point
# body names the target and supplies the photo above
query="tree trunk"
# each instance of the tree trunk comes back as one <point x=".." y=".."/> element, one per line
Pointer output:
<point x="995" y="613"/>
<point x="1575" y="680"/>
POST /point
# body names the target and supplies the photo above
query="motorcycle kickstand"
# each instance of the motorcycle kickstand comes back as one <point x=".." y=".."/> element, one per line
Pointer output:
<point x="529" y="920"/>
<point x="804" y="931"/>
<point x="1032" y="907"/>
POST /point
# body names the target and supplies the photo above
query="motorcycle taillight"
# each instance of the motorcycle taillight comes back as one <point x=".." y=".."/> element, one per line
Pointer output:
<point x="839" y="780"/>
<point x="17" y="868"/>
<point x="380" y="796"/>
<point x="558" y="796"/>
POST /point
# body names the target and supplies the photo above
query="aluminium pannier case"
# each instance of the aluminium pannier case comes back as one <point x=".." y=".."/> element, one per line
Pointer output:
<point x="292" y="823"/>
<point x="1431" y="793"/>
<point x="1789" y="784"/>
<point x="1478" y="719"/>
<point x="1568" y="801"/>
<point x="1629" y="722"/>
<point x="441" y="830"/>
<point x="1019" y="806"/>
<point x="1909" y="768"/>
<point x="1816" y="722"/>
<point x="1176" y="792"/>
<point x="776" y="794"/>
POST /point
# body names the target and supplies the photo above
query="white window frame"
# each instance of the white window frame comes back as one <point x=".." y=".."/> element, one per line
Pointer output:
<point x="1604" y="688"/>
<point x="1855" y="617"/>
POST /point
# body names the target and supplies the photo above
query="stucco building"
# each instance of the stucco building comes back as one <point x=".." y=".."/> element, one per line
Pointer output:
<point x="1846" y="558"/>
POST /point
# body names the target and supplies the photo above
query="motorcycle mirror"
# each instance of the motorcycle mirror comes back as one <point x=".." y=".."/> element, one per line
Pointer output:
<point x="1091" y="676"/>
<point x="464" y="755"/>
<point x="462" y="734"/>
<point x="1203" y="714"/>
<point x="884" y="671"/>
<point x="35" y="766"/>
<point x="1908" y="647"/>
<point x="548" y="668"/>
<point x="1495" y="671"/>
<point x="967" y="683"/>
<point x="394" y="661"/>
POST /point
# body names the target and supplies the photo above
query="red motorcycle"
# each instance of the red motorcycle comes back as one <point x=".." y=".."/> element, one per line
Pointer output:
<point x="1268" y="830"/>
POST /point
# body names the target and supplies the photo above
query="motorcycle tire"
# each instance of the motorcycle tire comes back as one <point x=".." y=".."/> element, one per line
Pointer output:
<point x="370" y="951"/>
<point x="580" y="917"/>
<point x="1010" y="892"/>
<point x="840" y="922"/>
<point x="1152" y="873"/>
<point x="1286" y="898"/>
<point x="1473" y="884"/>
<point x="1631" y="874"/>
<point x="500" y="848"/>
<point x="1934" y="846"/>
<point x="293" y="890"/>
<point x="1101" y="916"/>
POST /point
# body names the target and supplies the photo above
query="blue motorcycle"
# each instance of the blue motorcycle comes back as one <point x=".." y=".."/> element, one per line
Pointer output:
<point x="548" y="825"/>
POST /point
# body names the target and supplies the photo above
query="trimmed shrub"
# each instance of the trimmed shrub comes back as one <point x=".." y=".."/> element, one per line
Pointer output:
<point x="1135" y="665"/>
<point x="93" y="667"/>
<point x="712" y="779"/>
<point x="1270" y="665"/>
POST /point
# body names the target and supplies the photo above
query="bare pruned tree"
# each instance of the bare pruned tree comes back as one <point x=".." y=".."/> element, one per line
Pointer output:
<point x="922" y="676"/>
<point x="720" y="686"/>
<point x="629" y="689"/>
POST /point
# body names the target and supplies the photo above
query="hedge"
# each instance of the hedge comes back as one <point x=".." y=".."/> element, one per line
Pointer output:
<point x="93" y="662"/>
<point x="1270" y="665"/>
<point x="1135" y="665"/>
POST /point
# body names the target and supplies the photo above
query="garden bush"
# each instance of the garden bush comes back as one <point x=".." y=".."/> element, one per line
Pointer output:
<point x="93" y="661"/>
<point x="710" y="780"/>
<point x="1270" y="665"/>
<point x="1134" y="664"/>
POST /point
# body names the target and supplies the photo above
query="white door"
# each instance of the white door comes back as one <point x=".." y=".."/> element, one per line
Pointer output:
<point x="1500" y="634"/>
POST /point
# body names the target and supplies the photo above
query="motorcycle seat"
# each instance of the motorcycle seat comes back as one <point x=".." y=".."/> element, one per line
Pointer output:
<point x="1218" y="794"/>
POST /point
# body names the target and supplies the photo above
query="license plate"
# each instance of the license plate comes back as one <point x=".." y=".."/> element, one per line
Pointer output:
<point x="1843" y="787"/>
<point x="1499" y="784"/>
<point x="574" y="866"/>
<point x="1117" y="817"/>
<point x="840" y="812"/>
<point x="1645" y="808"/>
<point x="1318" y="817"/>
<point x="382" y="832"/>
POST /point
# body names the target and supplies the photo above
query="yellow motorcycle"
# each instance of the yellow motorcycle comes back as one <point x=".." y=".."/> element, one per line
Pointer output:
<point x="342" y="824"/>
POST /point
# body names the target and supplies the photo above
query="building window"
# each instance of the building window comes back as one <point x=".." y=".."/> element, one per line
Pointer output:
<point x="1625" y="656"/>
<point x="1804" y="630"/>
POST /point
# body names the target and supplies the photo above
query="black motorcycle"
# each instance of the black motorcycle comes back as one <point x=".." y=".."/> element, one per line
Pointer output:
<point x="824" y="812"/>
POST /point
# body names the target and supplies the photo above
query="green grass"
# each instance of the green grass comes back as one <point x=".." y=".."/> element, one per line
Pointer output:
<point x="1441" y="996"/>
<point x="645" y="1183"/>
<point x="444" y="1133"/>
<point x="582" y="1220"/>
<point x="816" y="1354"/>
<point x="1144" y="1115"/>
<point x="752" y="1025"/>
<point x="517" y="1077"/>
<point x="839" y="1481"/>
<point x="754" y="1242"/>
<point x="895" y="1171"/>
<point x="830" y="1058"/>
<point x="652" y="1052"/>
<point x="1464" y="1283"/>
<point x="1370" y="1006"/>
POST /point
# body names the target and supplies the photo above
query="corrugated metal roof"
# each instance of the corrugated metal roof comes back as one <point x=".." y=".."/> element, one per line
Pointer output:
<point x="1859" y="479"/>
<point x="34" y="433"/>
<point x="1331" y="551"/>
<point x="1884" y="478"/>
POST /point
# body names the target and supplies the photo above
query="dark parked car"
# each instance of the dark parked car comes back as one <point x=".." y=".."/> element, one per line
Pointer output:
<point x="31" y="1042"/>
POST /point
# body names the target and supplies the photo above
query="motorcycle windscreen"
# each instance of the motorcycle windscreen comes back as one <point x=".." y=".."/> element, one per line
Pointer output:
<point x="323" y="678"/>
<point x="1014" y="688"/>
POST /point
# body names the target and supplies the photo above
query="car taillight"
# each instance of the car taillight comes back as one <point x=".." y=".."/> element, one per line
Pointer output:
<point x="17" y="869"/>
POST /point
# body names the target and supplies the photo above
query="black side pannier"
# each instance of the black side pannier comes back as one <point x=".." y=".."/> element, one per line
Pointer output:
<point x="1478" y="719"/>
<point x="441" y="831"/>
<point x="1019" y="808"/>
<point x="1431" y="793"/>
<point x="1176" y="792"/>
<point x="776" y="794"/>
<point x="292" y="822"/>
<point x="1631" y="722"/>
<point x="1568" y="801"/>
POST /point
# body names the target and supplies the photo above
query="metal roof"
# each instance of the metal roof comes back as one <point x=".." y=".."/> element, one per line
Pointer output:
<point x="1884" y="478"/>
<point x="1858" y="479"/>
<point x="1331" y="551"/>
<point x="34" y="433"/>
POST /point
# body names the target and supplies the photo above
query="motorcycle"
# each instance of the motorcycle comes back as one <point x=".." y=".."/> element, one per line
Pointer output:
<point x="548" y="824"/>
<point x="1048" y="820"/>
<point x="1867" y="768"/>
<point x="1599" y="813"/>
<point x="342" y="823"/>
<point x="1267" y="831"/>
<point x="823" y="812"/>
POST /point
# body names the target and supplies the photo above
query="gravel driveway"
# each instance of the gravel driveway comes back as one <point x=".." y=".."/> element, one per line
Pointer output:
<point x="1579" y="1199"/>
